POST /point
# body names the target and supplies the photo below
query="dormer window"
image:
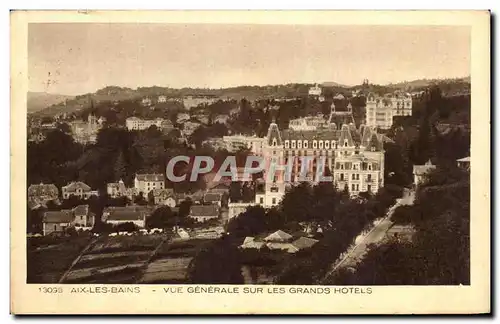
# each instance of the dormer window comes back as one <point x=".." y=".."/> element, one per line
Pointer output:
<point x="287" y="144"/>
<point x="315" y="144"/>
<point x="369" y="166"/>
<point x="275" y="142"/>
<point x="305" y="144"/>
<point x="345" y="142"/>
<point x="373" y="148"/>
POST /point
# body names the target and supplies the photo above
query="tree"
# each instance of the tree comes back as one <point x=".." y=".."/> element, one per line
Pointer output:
<point x="34" y="220"/>
<point x="218" y="262"/>
<point x="235" y="191"/>
<point x="151" y="198"/>
<point x="185" y="208"/>
<point x="296" y="204"/>
<point x="120" y="167"/>
<point x="397" y="169"/>
<point x="71" y="202"/>
<point x="140" y="200"/>
<point x="63" y="127"/>
<point x="126" y="227"/>
<point x="162" y="217"/>
<point x="249" y="223"/>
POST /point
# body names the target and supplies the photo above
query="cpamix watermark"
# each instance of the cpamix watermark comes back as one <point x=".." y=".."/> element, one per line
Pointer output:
<point x="273" y="169"/>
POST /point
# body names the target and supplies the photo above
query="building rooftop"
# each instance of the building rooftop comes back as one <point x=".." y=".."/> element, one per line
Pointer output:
<point x="204" y="211"/>
<point x="81" y="210"/>
<point x="304" y="243"/>
<point x="61" y="216"/>
<point x="73" y="186"/>
<point x="465" y="159"/>
<point x="211" y="197"/>
<point x="127" y="213"/>
<point x="278" y="236"/>
<point x="150" y="177"/>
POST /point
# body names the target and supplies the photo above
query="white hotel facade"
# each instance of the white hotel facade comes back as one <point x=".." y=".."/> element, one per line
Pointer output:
<point x="380" y="111"/>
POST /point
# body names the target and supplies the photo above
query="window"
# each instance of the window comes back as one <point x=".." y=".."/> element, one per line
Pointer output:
<point x="353" y="176"/>
<point x="341" y="166"/>
<point x="305" y="144"/>
<point x="369" y="166"/>
<point x="357" y="187"/>
<point x="334" y="144"/>
<point x="320" y="144"/>
<point x="357" y="176"/>
<point x="369" y="188"/>
<point x="274" y="201"/>
<point x="354" y="166"/>
<point x="287" y="144"/>
<point x="327" y="145"/>
<point x="293" y="144"/>
<point x="353" y="187"/>
<point x="373" y="148"/>
<point x="369" y="178"/>
<point x="274" y="142"/>
<point x="345" y="142"/>
<point x="261" y="200"/>
<point x="55" y="228"/>
<point x="341" y="177"/>
<point x="315" y="144"/>
<point x="299" y="144"/>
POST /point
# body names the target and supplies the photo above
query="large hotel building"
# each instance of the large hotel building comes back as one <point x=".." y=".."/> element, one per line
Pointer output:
<point x="354" y="156"/>
<point x="380" y="111"/>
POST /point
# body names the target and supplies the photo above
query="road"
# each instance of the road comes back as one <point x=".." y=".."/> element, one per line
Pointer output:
<point x="376" y="234"/>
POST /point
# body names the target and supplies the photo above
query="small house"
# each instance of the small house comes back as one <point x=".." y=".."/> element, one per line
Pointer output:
<point x="127" y="214"/>
<point x="420" y="171"/>
<point x="57" y="221"/>
<point x="203" y="213"/>
<point x="78" y="189"/>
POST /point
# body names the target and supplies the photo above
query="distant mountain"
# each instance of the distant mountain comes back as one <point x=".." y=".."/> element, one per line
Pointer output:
<point x="423" y="83"/>
<point x="45" y="104"/>
<point x="334" y="84"/>
<point x="40" y="100"/>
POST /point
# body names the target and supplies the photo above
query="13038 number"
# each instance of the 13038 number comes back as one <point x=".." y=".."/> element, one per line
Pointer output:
<point x="50" y="290"/>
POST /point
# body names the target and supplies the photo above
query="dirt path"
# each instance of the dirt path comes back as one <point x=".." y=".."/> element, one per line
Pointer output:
<point x="376" y="234"/>
<point x="143" y="268"/>
<point x="75" y="261"/>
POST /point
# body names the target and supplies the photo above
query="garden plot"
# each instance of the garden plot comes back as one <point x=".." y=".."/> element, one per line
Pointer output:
<point x="48" y="265"/>
<point x="114" y="259"/>
<point x="173" y="270"/>
<point x="126" y="244"/>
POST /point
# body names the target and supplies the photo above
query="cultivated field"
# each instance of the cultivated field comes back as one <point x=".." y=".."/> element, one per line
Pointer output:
<point x="117" y="259"/>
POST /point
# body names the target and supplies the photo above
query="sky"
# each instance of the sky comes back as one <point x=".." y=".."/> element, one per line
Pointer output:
<point x="77" y="58"/>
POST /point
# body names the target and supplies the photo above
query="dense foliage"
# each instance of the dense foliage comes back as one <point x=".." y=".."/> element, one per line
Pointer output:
<point x="439" y="253"/>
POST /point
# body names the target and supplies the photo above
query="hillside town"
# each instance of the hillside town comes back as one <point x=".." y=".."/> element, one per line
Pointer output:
<point x="98" y="190"/>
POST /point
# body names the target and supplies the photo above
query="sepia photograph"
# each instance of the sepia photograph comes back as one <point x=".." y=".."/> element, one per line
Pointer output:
<point x="219" y="158"/>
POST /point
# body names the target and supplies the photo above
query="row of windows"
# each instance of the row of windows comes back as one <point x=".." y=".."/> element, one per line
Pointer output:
<point x="354" y="176"/>
<point x="261" y="201"/>
<point x="356" y="166"/>
<point x="355" y="187"/>
<point x="315" y="144"/>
